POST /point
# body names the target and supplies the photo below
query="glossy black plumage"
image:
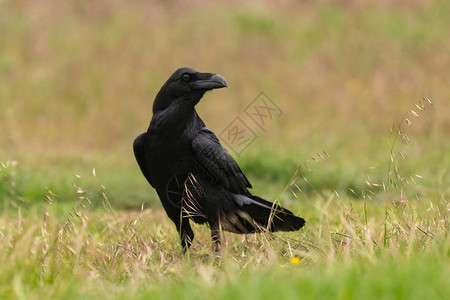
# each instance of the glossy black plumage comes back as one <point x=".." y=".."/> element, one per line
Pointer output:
<point x="194" y="176"/>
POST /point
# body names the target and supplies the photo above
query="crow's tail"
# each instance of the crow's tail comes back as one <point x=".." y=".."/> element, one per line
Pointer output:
<point x="262" y="211"/>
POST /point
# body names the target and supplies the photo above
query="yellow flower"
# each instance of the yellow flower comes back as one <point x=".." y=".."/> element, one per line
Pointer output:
<point x="295" y="260"/>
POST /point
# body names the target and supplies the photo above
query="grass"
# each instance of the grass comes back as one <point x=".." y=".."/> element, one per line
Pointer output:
<point x="118" y="254"/>
<point x="76" y="86"/>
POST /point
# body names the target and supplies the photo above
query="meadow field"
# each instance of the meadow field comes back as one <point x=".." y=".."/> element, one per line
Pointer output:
<point x="360" y="147"/>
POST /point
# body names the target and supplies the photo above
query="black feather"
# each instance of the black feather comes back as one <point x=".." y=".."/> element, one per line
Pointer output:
<point x="194" y="176"/>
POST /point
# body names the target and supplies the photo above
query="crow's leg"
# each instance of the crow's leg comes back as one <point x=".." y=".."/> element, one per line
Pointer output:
<point x="186" y="234"/>
<point x="216" y="237"/>
<point x="183" y="227"/>
<point x="174" y="207"/>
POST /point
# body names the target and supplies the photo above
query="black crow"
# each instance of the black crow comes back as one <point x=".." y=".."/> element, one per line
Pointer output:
<point x="194" y="176"/>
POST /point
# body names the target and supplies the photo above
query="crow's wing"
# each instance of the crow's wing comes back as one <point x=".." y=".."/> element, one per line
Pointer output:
<point x="139" y="153"/>
<point x="214" y="160"/>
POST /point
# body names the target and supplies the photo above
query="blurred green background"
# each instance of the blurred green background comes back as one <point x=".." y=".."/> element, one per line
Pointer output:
<point x="78" y="79"/>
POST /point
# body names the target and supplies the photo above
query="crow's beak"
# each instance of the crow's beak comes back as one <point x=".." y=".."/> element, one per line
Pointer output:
<point x="208" y="81"/>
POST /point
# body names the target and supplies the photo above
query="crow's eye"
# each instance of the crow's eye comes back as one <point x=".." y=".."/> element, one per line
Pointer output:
<point x="186" y="77"/>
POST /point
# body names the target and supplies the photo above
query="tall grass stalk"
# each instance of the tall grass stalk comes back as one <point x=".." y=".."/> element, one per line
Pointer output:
<point x="397" y="130"/>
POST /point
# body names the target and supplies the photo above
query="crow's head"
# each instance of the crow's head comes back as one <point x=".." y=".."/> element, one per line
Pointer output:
<point x="186" y="87"/>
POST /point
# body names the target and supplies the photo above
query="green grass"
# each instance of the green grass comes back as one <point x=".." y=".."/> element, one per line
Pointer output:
<point x="76" y="86"/>
<point x="113" y="254"/>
